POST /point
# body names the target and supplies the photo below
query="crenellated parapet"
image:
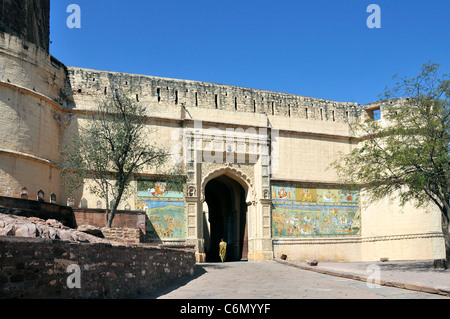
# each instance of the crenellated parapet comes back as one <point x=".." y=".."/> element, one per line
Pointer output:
<point x="157" y="92"/>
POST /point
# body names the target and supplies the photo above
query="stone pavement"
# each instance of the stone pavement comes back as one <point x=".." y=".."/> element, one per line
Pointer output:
<point x="287" y="280"/>
<point x="412" y="275"/>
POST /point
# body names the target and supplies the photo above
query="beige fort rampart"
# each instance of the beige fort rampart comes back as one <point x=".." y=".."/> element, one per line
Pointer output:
<point x="277" y="139"/>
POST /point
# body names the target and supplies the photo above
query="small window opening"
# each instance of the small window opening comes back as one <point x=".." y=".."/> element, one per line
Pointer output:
<point x="216" y="101"/>
<point x="321" y="114"/>
<point x="137" y="97"/>
<point x="273" y="108"/>
<point x="377" y="115"/>
<point x="106" y="90"/>
<point x="176" y="97"/>
<point x="374" y="113"/>
<point x="196" y="99"/>
<point x="332" y="114"/>
<point x="254" y="106"/>
<point x="158" y="94"/>
<point x="235" y="104"/>
<point x="306" y="113"/>
<point x="289" y="110"/>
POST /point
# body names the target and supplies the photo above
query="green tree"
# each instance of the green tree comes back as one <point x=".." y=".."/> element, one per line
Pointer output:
<point x="110" y="150"/>
<point x="407" y="152"/>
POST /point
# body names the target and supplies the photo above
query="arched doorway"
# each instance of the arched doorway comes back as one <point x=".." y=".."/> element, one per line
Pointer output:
<point x="225" y="216"/>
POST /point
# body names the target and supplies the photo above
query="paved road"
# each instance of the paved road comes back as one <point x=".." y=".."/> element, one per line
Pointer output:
<point x="272" y="280"/>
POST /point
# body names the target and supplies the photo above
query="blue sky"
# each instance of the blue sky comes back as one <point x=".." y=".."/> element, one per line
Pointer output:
<point x="317" y="48"/>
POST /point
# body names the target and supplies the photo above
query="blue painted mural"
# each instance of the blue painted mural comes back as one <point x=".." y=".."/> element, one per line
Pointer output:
<point x="165" y="209"/>
<point x="305" y="211"/>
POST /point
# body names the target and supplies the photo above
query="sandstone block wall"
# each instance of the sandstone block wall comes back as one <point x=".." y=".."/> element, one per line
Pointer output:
<point x="27" y="19"/>
<point x="38" y="268"/>
<point x="33" y="208"/>
<point x="163" y="94"/>
<point x="32" y="85"/>
<point x="96" y="217"/>
<point x="127" y="236"/>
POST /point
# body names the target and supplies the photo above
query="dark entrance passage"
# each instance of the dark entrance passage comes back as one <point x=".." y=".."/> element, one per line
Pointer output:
<point x="225" y="216"/>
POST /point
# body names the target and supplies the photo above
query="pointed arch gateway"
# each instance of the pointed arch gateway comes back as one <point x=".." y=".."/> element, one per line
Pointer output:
<point x="227" y="197"/>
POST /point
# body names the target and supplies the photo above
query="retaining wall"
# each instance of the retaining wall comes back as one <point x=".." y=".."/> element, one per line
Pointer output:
<point x="40" y="268"/>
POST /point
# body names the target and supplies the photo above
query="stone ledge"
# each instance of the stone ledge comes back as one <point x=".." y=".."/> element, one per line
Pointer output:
<point x="38" y="268"/>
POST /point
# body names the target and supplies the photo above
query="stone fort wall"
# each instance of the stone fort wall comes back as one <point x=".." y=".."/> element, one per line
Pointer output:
<point x="157" y="92"/>
<point x="32" y="98"/>
<point x="43" y="103"/>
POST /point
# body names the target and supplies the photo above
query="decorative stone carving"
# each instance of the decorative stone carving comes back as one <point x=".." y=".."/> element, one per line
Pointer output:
<point x="40" y="196"/>
<point x="70" y="202"/>
<point x="191" y="192"/>
<point x="24" y="193"/>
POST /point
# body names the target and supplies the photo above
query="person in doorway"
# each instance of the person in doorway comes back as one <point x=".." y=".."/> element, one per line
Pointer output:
<point x="222" y="250"/>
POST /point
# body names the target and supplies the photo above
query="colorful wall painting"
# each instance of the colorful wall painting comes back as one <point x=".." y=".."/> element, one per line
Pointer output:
<point x="165" y="209"/>
<point x="300" y="211"/>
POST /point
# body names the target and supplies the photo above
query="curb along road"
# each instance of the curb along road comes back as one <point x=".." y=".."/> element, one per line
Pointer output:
<point x="351" y="273"/>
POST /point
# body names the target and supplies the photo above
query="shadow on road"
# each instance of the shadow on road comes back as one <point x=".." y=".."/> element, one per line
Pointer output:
<point x="199" y="270"/>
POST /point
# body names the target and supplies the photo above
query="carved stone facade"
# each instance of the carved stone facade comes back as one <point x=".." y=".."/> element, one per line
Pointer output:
<point x="257" y="162"/>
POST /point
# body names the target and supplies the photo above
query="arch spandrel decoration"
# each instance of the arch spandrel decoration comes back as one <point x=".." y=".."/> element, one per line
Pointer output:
<point x="235" y="174"/>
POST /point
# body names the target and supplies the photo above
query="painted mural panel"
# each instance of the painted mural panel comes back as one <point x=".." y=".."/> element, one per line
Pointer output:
<point x="164" y="208"/>
<point x="305" y="211"/>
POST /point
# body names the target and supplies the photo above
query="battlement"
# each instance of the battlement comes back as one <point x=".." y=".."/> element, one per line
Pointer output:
<point x="164" y="92"/>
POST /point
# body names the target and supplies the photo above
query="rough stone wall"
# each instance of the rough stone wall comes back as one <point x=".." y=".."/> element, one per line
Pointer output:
<point x="37" y="268"/>
<point x="33" y="208"/>
<point x="96" y="217"/>
<point x="27" y="19"/>
<point x="88" y="85"/>
<point x="127" y="236"/>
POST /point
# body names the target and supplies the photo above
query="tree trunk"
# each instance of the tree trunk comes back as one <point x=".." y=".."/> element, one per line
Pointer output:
<point x="446" y="233"/>
<point x="110" y="217"/>
<point x="113" y="211"/>
<point x="108" y="221"/>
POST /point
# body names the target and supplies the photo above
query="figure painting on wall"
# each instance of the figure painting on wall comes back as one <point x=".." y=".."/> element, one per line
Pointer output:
<point x="164" y="207"/>
<point x="315" y="212"/>
<point x="222" y="250"/>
